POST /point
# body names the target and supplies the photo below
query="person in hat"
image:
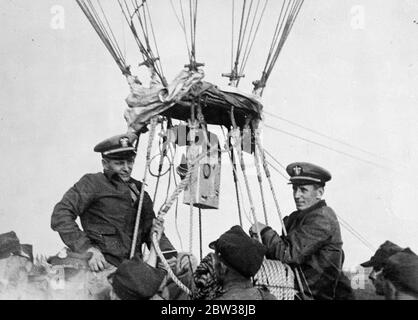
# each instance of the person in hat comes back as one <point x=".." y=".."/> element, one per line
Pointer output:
<point x="238" y="258"/>
<point x="107" y="204"/>
<point x="378" y="261"/>
<point x="138" y="279"/>
<point x="313" y="244"/>
<point x="400" y="276"/>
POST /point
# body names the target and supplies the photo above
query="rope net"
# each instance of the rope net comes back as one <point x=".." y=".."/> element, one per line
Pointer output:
<point x="278" y="278"/>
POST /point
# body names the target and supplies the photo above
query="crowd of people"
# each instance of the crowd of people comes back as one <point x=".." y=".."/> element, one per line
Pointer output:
<point x="106" y="204"/>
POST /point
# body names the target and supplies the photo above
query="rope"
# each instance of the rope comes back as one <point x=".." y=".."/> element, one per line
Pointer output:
<point x="142" y="195"/>
<point x="278" y="171"/>
<point x="234" y="173"/>
<point x="191" y="220"/>
<point x="283" y="27"/>
<point x="278" y="277"/>
<point x="237" y="138"/>
<point x="200" y="234"/>
<point x="329" y="148"/>
<point x="260" y="183"/>
<point x="182" y="25"/>
<point x="326" y="136"/>
<point x="167" y="205"/>
<point x="268" y="175"/>
<point x="183" y="184"/>
<point x="238" y="190"/>
<point x="177" y="203"/>
<point x="150" y="60"/>
<point x="98" y="26"/>
<point x="250" y="44"/>
<point x="167" y="266"/>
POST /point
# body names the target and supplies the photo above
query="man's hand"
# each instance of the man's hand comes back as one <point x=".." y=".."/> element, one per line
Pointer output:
<point x="97" y="262"/>
<point x="256" y="227"/>
<point x="157" y="227"/>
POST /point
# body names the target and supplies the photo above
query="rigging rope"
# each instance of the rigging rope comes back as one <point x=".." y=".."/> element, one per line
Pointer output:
<point x="237" y="184"/>
<point x="236" y="135"/>
<point x="260" y="183"/>
<point x="245" y="40"/>
<point x="95" y="21"/>
<point x="268" y="175"/>
<point x="282" y="31"/>
<point x="329" y="148"/>
<point x="144" y="181"/>
<point x="250" y="43"/>
<point x="150" y="60"/>
<point x="326" y="136"/>
<point x="182" y="25"/>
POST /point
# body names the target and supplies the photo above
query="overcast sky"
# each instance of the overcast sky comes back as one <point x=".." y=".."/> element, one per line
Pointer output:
<point x="348" y="70"/>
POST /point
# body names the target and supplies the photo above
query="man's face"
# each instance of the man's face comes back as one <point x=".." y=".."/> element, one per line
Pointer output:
<point x="122" y="167"/>
<point x="306" y="196"/>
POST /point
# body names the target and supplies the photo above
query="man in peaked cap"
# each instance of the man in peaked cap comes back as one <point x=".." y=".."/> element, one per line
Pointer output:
<point x="238" y="258"/>
<point x="107" y="204"/>
<point x="313" y="244"/>
<point x="378" y="261"/>
<point x="400" y="273"/>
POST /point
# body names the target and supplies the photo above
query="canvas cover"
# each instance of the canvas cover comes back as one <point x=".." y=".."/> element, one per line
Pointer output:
<point x="175" y="101"/>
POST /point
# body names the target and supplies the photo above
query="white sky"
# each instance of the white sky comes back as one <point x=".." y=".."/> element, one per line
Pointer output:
<point x="354" y="80"/>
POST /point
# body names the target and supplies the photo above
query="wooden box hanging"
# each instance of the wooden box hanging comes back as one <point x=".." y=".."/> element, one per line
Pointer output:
<point x="206" y="176"/>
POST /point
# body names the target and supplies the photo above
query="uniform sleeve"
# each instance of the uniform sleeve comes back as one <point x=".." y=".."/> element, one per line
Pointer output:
<point x="73" y="204"/>
<point x="301" y="242"/>
<point x="146" y="222"/>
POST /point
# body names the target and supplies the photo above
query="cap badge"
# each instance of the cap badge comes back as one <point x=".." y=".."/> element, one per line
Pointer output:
<point x="124" y="142"/>
<point x="297" y="170"/>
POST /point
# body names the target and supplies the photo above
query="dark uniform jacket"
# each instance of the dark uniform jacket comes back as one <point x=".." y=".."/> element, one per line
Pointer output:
<point x="244" y="290"/>
<point x="107" y="213"/>
<point x="314" y="244"/>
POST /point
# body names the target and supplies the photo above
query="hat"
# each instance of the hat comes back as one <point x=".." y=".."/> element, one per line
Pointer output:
<point x="9" y="244"/>
<point x="302" y="173"/>
<point x="118" y="147"/>
<point x="386" y="250"/>
<point x="402" y="270"/>
<point x="136" y="280"/>
<point x="239" y="251"/>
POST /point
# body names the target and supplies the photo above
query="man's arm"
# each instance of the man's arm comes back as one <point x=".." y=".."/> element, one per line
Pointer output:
<point x="165" y="244"/>
<point x="301" y="242"/>
<point x="73" y="204"/>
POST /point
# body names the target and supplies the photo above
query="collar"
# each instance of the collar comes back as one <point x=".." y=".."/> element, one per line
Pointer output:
<point x="319" y="204"/>
<point x="241" y="283"/>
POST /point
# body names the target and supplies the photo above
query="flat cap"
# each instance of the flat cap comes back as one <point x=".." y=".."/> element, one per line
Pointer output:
<point x="9" y="244"/>
<point x="402" y="270"/>
<point x="385" y="251"/>
<point x="302" y="173"/>
<point x="120" y="147"/>
<point x="136" y="280"/>
<point x="239" y="251"/>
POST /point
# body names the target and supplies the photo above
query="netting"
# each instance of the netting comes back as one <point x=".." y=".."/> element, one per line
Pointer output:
<point x="278" y="278"/>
